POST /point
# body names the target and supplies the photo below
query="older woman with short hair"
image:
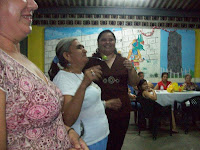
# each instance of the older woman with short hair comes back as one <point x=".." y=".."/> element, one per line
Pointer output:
<point x="83" y="108"/>
<point x="189" y="85"/>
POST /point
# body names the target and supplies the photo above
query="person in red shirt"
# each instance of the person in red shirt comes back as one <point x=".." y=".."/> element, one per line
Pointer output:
<point x="163" y="84"/>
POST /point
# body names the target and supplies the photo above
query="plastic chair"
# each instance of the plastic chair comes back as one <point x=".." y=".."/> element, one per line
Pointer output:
<point x="189" y="108"/>
<point x="154" y="112"/>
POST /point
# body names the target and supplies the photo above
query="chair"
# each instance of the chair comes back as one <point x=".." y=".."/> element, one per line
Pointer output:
<point x="154" y="112"/>
<point x="189" y="108"/>
<point x="135" y="107"/>
<point x="134" y="103"/>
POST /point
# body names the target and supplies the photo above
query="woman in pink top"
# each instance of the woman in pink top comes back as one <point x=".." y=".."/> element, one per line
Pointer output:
<point x="163" y="84"/>
<point x="30" y="104"/>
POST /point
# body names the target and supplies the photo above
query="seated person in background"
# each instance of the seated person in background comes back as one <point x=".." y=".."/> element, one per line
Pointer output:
<point x="189" y="85"/>
<point x="133" y="99"/>
<point x="131" y="96"/>
<point x="149" y="93"/>
<point x="141" y="76"/>
<point x="147" y="103"/>
<point x="134" y="104"/>
<point x="145" y="91"/>
<point x="150" y="85"/>
<point x="132" y="90"/>
<point x="163" y="84"/>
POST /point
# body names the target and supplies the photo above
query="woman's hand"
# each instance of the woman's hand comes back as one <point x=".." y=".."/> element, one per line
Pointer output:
<point x="76" y="141"/>
<point x="150" y="90"/>
<point x="132" y="96"/>
<point x="184" y="86"/>
<point x="128" y="64"/>
<point x="114" y="104"/>
<point x="133" y="78"/>
<point x="92" y="74"/>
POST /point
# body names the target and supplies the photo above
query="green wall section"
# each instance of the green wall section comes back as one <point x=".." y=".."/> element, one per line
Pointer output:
<point x="36" y="46"/>
<point x="197" y="54"/>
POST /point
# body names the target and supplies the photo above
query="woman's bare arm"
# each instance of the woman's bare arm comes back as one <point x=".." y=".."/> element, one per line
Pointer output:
<point x="72" y="106"/>
<point x="152" y="96"/>
<point x="2" y="120"/>
<point x="156" y="87"/>
<point x="133" y="78"/>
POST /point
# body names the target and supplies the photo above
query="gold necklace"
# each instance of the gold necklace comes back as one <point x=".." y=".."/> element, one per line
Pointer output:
<point x="67" y="70"/>
<point x="77" y="76"/>
<point x="92" y="83"/>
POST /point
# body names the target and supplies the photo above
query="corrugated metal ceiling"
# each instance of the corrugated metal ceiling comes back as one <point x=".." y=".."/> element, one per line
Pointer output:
<point x="187" y="5"/>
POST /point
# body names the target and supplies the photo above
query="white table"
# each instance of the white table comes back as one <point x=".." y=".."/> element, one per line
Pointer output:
<point x="164" y="98"/>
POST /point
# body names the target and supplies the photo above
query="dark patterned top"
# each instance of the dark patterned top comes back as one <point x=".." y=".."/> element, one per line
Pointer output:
<point x="114" y="84"/>
<point x="190" y="86"/>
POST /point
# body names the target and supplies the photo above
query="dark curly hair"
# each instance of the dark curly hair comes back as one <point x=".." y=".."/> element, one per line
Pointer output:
<point x="142" y="81"/>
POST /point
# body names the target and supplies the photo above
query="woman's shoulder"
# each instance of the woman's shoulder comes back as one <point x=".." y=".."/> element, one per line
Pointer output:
<point x="119" y="56"/>
<point x="119" y="60"/>
<point x="63" y="76"/>
<point x="144" y="93"/>
<point x="61" y="73"/>
<point x="91" y="62"/>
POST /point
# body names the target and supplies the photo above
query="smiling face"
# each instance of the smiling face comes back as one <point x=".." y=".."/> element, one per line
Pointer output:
<point x="16" y="18"/>
<point x="188" y="79"/>
<point x="141" y="76"/>
<point x="164" y="78"/>
<point x="106" y="43"/>
<point x="77" y="55"/>
<point x="144" y="86"/>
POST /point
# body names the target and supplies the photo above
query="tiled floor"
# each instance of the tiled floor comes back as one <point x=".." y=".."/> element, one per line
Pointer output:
<point x="179" y="141"/>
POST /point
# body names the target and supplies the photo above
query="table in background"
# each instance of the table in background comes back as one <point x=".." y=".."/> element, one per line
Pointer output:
<point x="165" y="98"/>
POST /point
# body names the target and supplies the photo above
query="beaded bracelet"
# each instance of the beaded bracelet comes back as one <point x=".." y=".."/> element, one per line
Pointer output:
<point x="69" y="130"/>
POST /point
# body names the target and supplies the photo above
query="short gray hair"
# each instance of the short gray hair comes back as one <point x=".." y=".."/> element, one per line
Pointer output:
<point x="188" y="75"/>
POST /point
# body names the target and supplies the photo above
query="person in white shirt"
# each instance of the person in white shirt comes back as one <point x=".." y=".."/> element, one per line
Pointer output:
<point x="83" y="107"/>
